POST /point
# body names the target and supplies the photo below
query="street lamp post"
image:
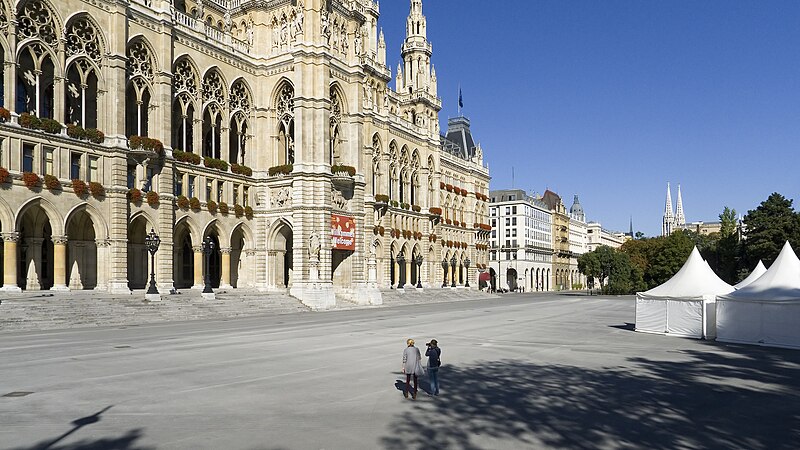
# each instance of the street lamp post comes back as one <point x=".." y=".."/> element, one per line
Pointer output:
<point x="453" y="265"/>
<point x="444" y="273"/>
<point x="499" y="269"/>
<point x="208" y="249"/>
<point x="418" y="261"/>
<point x="152" y="241"/>
<point x="466" y="265"/>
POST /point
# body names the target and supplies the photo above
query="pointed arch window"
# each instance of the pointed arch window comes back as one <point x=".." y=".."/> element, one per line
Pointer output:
<point x="240" y="101"/>
<point x="214" y="97"/>
<point x="187" y="86"/>
<point x="335" y="123"/>
<point x="141" y="73"/>
<point x="35" y="81"/>
<point x="285" y="108"/>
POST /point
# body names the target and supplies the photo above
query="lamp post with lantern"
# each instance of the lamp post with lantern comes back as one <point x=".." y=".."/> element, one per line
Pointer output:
<point x="444" y="272"/>
<point x="208" y="249"/>
<point x="418" y="262"/>
<point x="453" y="266"/>
<point x="467" y="262"/>
<point x="152" y="242"/>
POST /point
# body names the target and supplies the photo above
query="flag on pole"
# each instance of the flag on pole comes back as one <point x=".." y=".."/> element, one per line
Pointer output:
<point x="460" y="99"/>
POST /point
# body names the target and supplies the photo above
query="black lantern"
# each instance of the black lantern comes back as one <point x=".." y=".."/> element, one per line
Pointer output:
<point x="453" y="265"/>
<point x="208" y="249"/>
<point x="444" y="275"/>
<point x="418" y="262"/>
<point x="467" y="262"/>
<point x="152" y="241"/>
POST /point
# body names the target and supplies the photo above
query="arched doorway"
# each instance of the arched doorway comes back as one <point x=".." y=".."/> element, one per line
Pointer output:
<point x="239" y="263"/>
<point x="511" y="279"/>
<point x="81" y="252"/>
<point x="215" y="261"/>
<point x="493" y="279"/>
<point x="138" y="262"/>
<point x="183" y="259"/>
<point x="280" y="257"/>
<point x="35" y="262"/>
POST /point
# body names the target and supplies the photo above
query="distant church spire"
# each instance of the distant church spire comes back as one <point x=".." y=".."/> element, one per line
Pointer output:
<point x="668" y="223"/>
<point x="630" y="233"/>
<point x="680" y="220"/>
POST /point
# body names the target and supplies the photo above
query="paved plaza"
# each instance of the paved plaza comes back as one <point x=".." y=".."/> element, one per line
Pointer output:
<point x="519" y="371"/>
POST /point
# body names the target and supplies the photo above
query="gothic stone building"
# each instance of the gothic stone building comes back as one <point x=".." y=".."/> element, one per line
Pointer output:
<point x="265" y="128"/>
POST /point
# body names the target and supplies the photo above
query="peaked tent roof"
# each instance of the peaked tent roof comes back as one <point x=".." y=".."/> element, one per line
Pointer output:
<point x="781" y="283"/>
<point x="694" y="280"/>
<point x="754" y="275"/>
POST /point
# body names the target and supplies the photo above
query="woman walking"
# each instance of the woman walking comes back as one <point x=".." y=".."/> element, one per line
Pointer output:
<point x="434" y="354"/>
<point x="411" y="367"/>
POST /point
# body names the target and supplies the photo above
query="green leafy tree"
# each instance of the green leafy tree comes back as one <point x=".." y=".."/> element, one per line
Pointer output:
<point x="624" y="277"/>
<point x="728" y="246"/>
<point x="768" y="227"/>
<point x="589" y="265"/>
<point x="670" y="257"/>
<point x="639" y="235"/>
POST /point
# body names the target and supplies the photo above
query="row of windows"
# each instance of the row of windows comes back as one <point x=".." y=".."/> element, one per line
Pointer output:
<point x="39" y="158"/>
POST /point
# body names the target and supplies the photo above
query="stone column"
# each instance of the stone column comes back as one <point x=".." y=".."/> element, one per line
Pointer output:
<point x="103" y="248"/>
<point x="59" y="263"/>
<point x="198" y="267"/>
<point x="225" y="281"/>
<point x="10" y="262"/>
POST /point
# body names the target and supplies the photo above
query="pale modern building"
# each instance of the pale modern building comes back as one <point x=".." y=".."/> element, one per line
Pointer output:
<point x="597" y="236"/>
<point x="521" y="246"/>
<point x="267" y="131"/>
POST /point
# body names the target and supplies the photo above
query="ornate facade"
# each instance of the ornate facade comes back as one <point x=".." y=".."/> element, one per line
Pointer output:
<point x="267" y="128"/>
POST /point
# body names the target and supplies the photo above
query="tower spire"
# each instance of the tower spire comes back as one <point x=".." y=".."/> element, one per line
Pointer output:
<point x="680" y="220"/>
<point x="668" y="223"/>
<point x="416" y="51"/>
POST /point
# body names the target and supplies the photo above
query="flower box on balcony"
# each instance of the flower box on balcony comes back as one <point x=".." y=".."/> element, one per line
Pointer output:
<point x="435" y="211"/>
<point x="187" y="157"/>
<point x="5" y="115"/>
<point x="134" y="195"/>
<point x="51" y="182"/>
<point x="152" y="198"/>
<point x="284" y="169"/>
<point x="416" y="208"/>
<point x="97" y="189"/>
<point x="183" y="202"/>
<point x="4" y="175"/>
<point x="212" y="206"/>
<point x="248" y="212"/>
<point x="194" y="204"/>
<point x="381" y="198"/>
<point x="241" y="169"/>
<point x="223" y="208"/>
<point x="341" y="168"/>
<point x="145" y="143"/>
<point x="214" y="163"/>
<point x="31" y="180"/>
<point x="238" y="210"/>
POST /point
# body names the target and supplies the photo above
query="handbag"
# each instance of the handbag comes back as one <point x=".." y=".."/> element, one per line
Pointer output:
<point x="419" y="370"/>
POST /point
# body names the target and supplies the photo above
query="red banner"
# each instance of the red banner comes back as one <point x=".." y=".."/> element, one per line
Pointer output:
<point x="343" y="232"/>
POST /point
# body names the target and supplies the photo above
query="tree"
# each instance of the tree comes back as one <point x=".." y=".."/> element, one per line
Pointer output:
<point x="639" y="235"/>
<point x="768" y="227"/>
<point x="728" y="246"/>
<point x="669" y="259"/>
<point x="624" y="277"/>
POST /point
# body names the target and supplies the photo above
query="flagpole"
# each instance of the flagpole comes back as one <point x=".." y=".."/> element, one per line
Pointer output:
<point x="459" y="99"/>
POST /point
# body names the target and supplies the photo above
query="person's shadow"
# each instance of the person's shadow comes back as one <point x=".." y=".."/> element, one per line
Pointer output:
<point x="424" y="385"/>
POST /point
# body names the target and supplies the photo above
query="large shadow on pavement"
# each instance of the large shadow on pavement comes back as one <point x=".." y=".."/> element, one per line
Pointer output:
<point x="726" y="397"/>
<point x="125" y="442"/>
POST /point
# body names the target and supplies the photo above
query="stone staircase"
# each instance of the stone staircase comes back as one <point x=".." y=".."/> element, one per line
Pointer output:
<point x="45" y="310"/>
<point x="397" y="297"/>
<point x="57" y="310"/>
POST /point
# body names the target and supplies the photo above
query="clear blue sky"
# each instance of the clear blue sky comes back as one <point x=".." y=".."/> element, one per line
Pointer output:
<point x="611" y="99"/>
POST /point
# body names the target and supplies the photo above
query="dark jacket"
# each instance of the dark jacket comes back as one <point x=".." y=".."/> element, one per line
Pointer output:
<point x="434" y="354"/>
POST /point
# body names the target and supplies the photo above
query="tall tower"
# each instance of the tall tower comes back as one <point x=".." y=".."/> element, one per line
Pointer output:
<point x="668" y="223"/>
<point x="680" y="220"/>
<point x="416" y="52"/>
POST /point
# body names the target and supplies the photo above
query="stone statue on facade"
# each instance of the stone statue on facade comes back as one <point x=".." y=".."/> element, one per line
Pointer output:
<point x="250" y="30"/>
<point x="228" y="20"/>
<point x="200" y="10"/>
<point x="326" y="32"/>
<point x="284" y="30"/>
<point x="298" y="19"/>
<point x="314" y="246"/>
<point x="357" y="44"/>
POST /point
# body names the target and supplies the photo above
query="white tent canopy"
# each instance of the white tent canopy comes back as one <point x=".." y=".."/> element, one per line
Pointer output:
<point x="766" y="311"/>
<point x="754" y="275"/>
<point x="684" y="305"/>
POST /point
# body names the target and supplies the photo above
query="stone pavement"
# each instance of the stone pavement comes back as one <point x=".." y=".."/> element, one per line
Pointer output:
<point x="46" y="310"/>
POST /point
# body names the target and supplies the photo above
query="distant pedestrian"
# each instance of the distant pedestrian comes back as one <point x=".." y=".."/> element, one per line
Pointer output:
<point x="412" y="367"/>
<point x="434" y="354"/>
